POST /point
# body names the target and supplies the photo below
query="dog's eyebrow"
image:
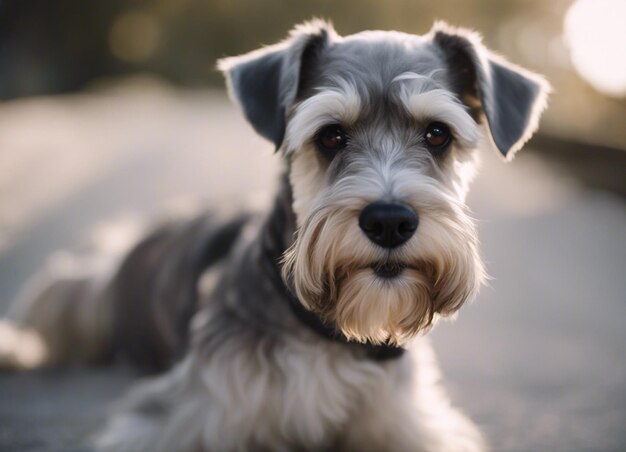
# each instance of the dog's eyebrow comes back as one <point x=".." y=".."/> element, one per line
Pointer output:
<point x="334" y="104"/>
<point x="424" y="99"/>
<point x="425" y="80"/>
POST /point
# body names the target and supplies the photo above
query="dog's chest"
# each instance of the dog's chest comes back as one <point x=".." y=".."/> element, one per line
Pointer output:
<point x="283" y="396"/>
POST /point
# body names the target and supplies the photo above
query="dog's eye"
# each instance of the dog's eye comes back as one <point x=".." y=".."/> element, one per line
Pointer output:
<point x="437" y="136"/>
<point x="331" y="139"/>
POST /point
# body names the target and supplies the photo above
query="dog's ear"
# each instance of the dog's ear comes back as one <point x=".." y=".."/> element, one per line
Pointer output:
<point x="266" y="82"/>
<point x="512" y="99"/>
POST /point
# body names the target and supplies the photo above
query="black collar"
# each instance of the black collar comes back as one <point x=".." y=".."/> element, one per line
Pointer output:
<point x="377" y="352"/>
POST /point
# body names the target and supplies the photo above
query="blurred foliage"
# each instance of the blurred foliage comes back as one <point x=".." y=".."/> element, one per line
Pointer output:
<point x="49" y="47"/>
<point x="53" y="47"/>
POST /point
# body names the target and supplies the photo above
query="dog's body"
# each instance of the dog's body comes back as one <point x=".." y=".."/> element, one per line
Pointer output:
<point x="297" y="330"/>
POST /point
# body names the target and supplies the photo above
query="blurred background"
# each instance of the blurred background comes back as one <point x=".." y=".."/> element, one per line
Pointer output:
<point x="112" y="111"/>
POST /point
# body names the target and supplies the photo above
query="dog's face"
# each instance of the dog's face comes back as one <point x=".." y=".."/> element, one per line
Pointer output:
<point x="381" y="132"/>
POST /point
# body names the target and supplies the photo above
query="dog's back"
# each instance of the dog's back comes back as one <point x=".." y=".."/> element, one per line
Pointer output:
<point x="137" y="306"/>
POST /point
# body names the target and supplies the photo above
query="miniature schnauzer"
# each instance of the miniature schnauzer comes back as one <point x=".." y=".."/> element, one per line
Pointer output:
<point x="302" y="329"/>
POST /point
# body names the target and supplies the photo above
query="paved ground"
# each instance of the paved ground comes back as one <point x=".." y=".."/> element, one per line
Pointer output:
<point x="538" y="360"/>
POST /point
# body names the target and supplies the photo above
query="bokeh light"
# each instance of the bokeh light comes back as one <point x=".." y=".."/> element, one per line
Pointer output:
<point x="596" y="33"/>
<point x="134" y="36"/>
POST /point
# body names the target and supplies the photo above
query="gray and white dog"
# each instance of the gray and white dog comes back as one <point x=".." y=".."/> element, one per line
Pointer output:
<point x="302" y="329"/>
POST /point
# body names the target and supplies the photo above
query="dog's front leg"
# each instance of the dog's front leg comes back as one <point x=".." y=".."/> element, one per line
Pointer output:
<point x="409" y="411"/>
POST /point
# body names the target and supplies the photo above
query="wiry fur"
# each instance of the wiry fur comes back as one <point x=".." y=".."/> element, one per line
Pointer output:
<point x="205" y="298"/>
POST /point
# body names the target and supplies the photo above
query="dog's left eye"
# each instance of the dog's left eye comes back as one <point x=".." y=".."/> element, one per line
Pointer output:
<point x="331" y="139"/>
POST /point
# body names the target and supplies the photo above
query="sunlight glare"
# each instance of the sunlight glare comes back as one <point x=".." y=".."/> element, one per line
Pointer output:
<point x="596" y="33"/>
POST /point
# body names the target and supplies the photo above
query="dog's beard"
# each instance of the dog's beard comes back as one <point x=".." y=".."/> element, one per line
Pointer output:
<point x="376" y="295"/>
<point x="377" y="309"/>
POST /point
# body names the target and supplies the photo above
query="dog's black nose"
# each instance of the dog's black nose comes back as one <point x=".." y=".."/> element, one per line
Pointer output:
<point x="388" y="225"/>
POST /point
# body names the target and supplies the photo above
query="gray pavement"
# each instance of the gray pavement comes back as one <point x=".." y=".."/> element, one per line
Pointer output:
<point x="537" y="360"/>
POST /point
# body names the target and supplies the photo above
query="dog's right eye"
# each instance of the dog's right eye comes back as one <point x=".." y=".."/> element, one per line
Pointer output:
<point x="330" y="140"/>
<point x="437" y="137"/>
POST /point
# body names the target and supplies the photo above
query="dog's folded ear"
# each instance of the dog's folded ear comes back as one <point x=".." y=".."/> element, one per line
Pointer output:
<point x="512" y="99"/>
<point x="266" y="82"/>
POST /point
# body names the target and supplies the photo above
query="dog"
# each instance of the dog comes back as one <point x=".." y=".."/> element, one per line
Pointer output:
<point x="303" y="328"/>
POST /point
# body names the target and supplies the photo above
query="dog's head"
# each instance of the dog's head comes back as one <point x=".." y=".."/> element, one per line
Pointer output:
<point x="381" y="132"/>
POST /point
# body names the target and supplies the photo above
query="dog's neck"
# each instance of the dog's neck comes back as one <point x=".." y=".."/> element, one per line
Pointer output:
<point x="276" y="236"/>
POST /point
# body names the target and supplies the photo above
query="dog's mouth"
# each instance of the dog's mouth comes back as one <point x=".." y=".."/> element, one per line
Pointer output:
<point x="388" y="270"/>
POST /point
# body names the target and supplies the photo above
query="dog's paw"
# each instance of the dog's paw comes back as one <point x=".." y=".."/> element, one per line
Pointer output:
<point x="20" y="348"/>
